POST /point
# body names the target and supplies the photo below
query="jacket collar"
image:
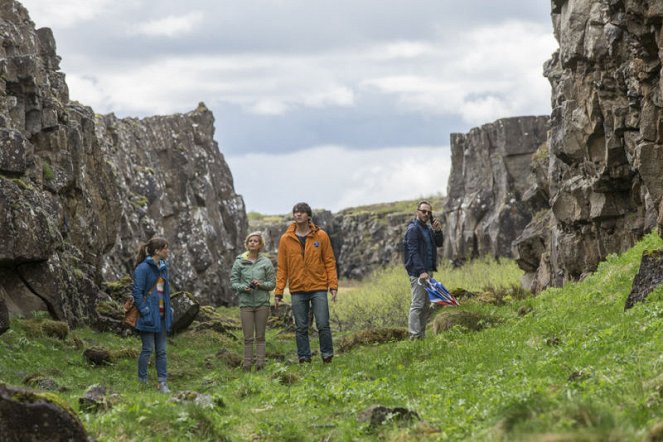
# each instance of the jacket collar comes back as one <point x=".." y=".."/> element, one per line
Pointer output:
<point x="245" y="256"/>
<point x="161" y="266"/>
<point x="293" y="227"/>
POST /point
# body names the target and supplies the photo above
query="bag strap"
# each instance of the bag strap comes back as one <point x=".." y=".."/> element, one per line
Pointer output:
<point x="148" y="294"/>
<point x="151" y="290"/>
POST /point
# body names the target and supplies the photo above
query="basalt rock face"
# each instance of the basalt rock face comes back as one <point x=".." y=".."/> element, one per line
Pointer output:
<point x="485" y="208"/>
<point x="171" y="180"/>
<point x="79" y="191"/>
<point x="606" y="138"/>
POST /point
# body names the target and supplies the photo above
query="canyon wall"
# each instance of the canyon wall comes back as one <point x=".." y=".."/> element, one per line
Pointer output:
<point x="79" y="191"/>
<point x="605" y="146"/>
<point x="489" y="198"/>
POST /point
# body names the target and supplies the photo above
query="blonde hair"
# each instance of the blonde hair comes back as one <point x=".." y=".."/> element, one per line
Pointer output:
<point x="260" y="238"/>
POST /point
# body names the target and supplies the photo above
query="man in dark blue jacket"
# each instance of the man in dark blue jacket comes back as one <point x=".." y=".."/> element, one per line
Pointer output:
<point x="421" y="242"/>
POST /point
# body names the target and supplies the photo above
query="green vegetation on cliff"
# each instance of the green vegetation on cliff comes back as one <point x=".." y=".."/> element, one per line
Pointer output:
<point x="568" y="364"/>
<point x="406" y="206"/>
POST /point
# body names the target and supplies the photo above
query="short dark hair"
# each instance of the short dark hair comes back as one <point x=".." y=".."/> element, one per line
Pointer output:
<point x="302" y="207"/>
<point x="424" y="202"/>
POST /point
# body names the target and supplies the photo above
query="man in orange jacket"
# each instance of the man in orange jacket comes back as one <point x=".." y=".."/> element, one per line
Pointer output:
<point x="307" y="265"/>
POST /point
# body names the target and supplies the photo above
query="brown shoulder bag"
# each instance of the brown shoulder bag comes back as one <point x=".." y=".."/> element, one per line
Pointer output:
<point x="131" y="312"/>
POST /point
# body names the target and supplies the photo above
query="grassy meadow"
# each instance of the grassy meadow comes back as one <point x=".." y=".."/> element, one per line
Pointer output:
<point x="566" y="365"/>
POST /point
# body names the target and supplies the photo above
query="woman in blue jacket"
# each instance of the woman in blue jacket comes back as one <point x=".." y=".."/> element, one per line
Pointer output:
<point x="151" y="293"/>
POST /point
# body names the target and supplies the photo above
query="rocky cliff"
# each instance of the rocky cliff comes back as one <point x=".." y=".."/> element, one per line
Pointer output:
<point x="605" y="146"/>
<point x="79" y="191"/>
<point x="485" y="208"/>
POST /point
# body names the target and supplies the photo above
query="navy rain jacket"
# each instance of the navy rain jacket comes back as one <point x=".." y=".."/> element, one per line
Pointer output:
<point x="415" y="247"/>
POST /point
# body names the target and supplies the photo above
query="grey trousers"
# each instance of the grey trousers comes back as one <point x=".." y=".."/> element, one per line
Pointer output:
<point x="254" y="322"/>
<point x="419" y="310"/>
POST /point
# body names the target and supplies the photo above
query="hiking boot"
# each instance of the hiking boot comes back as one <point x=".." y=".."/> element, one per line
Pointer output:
<point x="163" y="387"/>
<point x="302" y="360"/>
<point x="327" y="360"/>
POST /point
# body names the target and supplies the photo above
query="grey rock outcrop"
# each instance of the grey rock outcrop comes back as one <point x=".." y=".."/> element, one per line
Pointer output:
<point x="606" y="138"/>
<point x="172" y="180"/>
<point x="650" y="276"/>
<point x="78" y="191"/>
<point x="4" y="317"/>
<point x="368" y="241"/>
<point x="185" y="311"/>
<point x="485" y="208"/>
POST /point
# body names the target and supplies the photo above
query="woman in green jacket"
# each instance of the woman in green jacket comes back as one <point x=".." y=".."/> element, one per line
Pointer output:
<point x="253" y="277"/>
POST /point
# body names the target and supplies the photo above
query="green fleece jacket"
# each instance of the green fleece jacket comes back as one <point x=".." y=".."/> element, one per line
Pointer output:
<point x="244" y="271"/>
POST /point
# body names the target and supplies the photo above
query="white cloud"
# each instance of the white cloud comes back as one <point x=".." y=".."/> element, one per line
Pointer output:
<point x="336" y="177"/>
<point x="485" y="75"/>
<point x="68" y="13"/>
<point x="400" y="50"/>
<point x="379" y="70"/>
<point x="264" y="85"/>
<point x="170" y="26"/>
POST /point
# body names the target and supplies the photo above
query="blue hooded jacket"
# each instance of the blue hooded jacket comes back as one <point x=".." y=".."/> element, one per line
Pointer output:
<point x="416" y="253"/>
<point x="145" y="277"/>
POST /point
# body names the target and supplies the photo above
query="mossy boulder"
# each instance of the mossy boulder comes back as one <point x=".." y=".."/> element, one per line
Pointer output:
<point x="55" y="329"/>
<point x="95" y="399"/>
<point x="39" y="326"/>
<point x="230" y="358"/>
<point x="98" y="356"/>
<point x="372" y="337"/>
<point x="379" y="415"/>
<point x="29" y="416"/>
<point x="41" y="382"/>
<point x="185" y="309"/>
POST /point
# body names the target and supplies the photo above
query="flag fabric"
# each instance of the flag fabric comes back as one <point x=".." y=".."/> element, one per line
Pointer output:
<point x="438" y="293"/>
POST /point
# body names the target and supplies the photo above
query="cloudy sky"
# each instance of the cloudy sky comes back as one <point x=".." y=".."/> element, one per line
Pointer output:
<point x="335" y="102"/>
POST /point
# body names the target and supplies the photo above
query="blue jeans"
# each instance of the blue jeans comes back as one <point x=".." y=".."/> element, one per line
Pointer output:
<point x="156" y="341"/>
<point x="301" y="304"/>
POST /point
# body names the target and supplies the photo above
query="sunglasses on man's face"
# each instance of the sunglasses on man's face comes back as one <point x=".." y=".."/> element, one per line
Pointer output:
<point x="425" y="212"/>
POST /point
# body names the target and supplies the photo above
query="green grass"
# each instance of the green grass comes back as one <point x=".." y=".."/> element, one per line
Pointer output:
<point x="568" y="364"/>
<point x="383" y="299"/>
<point x="47" y="171"/>
<point x="405" y="206"/>
<point x="257" y="216"/>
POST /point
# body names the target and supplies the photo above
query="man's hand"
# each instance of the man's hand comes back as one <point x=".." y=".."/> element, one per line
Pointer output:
<point x="424" y="276"/>
<point x="333" y="293"/>
<point x="437" y="225"/>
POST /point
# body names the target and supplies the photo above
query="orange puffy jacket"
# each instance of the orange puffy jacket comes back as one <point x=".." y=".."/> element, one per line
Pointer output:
<point x="310" y="270"/>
